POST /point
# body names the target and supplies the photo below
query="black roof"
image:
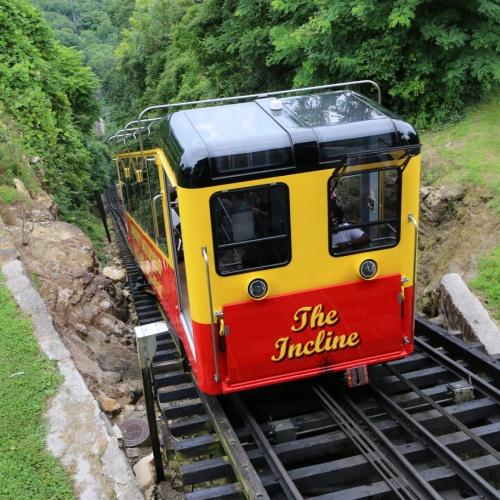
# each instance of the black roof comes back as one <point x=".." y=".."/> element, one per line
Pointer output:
<point x="222" y="144"/>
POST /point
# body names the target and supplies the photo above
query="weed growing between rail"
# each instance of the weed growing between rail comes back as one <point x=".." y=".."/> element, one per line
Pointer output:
<point x="27" y="379"/>
<point x="488" y="281"/>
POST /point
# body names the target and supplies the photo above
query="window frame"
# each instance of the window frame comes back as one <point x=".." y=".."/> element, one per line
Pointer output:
<point x="217" y="246"/>
<point x="367" y="224"/>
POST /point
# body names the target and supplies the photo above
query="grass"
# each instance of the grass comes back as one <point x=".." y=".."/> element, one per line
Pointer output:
<point x="488" y="281"/>
<point x="13" y="157"/>
<point x="92" y="226"/>
<point x="10" y="194"/>
<point x="468" y="151"/>
<point x="27" y="380"/>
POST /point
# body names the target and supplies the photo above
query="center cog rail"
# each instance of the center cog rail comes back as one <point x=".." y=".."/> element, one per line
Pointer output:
<point x="397" y="472"/>
<point x="467" y="474"/>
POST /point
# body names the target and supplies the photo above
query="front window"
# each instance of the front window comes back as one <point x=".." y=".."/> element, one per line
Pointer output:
<point x="251" y="228"/>
<point x="364" y="211"/>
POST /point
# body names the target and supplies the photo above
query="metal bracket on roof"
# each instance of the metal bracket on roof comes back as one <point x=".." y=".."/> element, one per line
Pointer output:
<point x="409" y="156"/>
<point x="337" y="173"/>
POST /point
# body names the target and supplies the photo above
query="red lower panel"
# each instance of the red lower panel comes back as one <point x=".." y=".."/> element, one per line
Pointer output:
<point x="290" y="336"/>
<point x="296" y="335"/>
<point x="162" y="278"/>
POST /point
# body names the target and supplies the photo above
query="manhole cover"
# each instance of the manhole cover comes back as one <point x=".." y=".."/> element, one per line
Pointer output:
<point x="135" y="433"/>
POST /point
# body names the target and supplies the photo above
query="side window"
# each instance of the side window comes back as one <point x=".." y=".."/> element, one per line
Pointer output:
<point x="143" y="212"/>
<point x="364" y="211"/>
<point x="134" y="187"/>
<point x="125" y="180"/>
<point x="157" y="200"/>
<point x="251" y="228"/>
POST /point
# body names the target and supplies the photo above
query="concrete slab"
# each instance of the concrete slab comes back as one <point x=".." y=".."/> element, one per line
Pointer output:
<point x="464" y="312"/>
<point x="79" y="434"/>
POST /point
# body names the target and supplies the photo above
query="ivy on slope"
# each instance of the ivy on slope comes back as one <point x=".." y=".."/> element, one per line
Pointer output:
<point x="46" y="89"/>
<point x="431" y="58"/>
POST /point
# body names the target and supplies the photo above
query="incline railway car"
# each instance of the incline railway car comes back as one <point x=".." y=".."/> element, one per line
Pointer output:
<point x="278" y="233"/>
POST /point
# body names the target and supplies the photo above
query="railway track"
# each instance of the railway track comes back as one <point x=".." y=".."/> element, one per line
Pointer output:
<point x="427" y="426"/>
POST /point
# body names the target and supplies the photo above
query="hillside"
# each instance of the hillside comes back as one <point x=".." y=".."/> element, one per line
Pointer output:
<point x="462" y="160"/>
<point x="48" y="109"/>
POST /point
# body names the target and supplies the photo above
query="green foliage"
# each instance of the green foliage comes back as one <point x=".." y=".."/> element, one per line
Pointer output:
<point x="9" y="195"/>
<point x="488" y="281"/>
<point x="28" y="380"/>
<point x="431" y="60"/>
<point x="51" y="95"/>
<point x="13" y="161"/>
<point x="91" y="26"/>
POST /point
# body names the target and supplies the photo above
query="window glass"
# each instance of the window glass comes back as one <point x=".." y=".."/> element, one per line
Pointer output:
<point x="134" y="188"/>
<point x="157" y="199"/>
<point x="251" y="228"/>
<point x="143" y="212"/>
<point x="125" y="179"/>
<point x="364" y="210"/>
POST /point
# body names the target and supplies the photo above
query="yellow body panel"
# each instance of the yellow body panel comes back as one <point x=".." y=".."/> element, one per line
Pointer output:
<point x="311" y="265"/>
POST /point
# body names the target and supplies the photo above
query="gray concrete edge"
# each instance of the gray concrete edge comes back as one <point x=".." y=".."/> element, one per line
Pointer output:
<point x="463" y="311"/>
<point x="79" y="434"/>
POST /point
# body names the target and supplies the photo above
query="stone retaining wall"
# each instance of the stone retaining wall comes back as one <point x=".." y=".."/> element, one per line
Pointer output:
<point x="79" y="434"/>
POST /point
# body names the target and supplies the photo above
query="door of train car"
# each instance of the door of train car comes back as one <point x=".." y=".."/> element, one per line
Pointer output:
<point x="174" y="218"/>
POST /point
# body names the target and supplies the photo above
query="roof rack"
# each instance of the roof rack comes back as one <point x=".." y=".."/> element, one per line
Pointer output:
<point x="250" y="96"/>
<point x="127" y="132"/>
<point x="261" y="95"/>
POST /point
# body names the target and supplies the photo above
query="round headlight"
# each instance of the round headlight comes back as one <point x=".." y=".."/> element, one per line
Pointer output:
<point x="257" y="289"/>
<point x="368" y="269"/>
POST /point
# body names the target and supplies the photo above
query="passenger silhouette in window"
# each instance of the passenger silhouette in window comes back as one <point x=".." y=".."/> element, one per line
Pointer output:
<point x="349" y="237"/>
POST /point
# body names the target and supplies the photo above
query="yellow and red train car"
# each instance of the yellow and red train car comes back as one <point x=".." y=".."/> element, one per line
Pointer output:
<point x="278" y="233"/>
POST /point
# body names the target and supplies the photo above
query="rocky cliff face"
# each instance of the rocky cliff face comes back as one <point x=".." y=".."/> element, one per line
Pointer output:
<point x="89" y="309"/>
<point x="455" y="228"/>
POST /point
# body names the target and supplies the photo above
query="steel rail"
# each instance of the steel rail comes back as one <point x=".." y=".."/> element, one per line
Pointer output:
<point x="422" y="488"/>
<point x="469" y="476"/>
<point x="459" y="425"/>
<point x="385" y="468"/>
<point x="275" y="464"/>
<point x="244" y="471"/>
<point x="459" y="370"/>
<point x="242" y="466"/>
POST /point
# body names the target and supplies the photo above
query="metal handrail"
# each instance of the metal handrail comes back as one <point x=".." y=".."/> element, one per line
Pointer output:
<point x="204" y="254"/>
<point x="127" y="131"/>
<point x="159" y="196"/>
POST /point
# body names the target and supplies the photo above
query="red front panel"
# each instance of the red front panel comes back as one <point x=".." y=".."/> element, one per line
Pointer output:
<point x="296" y="335"/>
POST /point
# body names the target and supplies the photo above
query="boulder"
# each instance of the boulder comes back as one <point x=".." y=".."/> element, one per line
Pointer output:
<point x="20" y="187"/>
<point x="144" y="472"/>
<point x="115" y="273"/>
<point x="87" y="307"/>
<point x="109" y="405"/>
<point x="438" y="203"/>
